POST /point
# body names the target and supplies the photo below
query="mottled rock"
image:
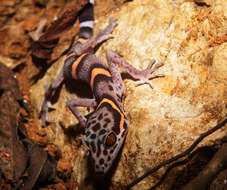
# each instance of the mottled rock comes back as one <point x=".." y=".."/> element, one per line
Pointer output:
<point x="13" y="158"/>
<point x="7" y="9"/>
<point x="189" y="100"/>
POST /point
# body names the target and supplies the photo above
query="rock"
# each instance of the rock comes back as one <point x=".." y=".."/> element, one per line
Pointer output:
<point x="7" y="9"/>
<point x="164" y="121"/>
<point x="13" y="158"/>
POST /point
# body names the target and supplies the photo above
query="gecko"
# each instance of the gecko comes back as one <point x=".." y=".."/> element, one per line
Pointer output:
<point x="107" y="127"/>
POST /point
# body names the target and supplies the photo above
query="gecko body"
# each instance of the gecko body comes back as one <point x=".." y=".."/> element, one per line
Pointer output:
<point x="106" y="128"/>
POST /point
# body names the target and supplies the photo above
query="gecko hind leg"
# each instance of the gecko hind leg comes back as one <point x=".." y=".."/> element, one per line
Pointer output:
<point x="102" y="36"/>
<point x="48" y="97"/>
<point x="83" y="102"/>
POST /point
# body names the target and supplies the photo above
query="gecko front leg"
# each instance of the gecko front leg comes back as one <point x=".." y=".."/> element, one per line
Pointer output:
<point x="143" y="76"/>
<point x="83" y="102"/>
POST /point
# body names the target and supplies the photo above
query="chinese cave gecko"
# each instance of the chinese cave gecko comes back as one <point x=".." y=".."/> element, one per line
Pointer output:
<point x="107" y="127"/>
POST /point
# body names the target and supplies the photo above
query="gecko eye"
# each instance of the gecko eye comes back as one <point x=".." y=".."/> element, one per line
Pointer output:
<point x="110" y="139"/>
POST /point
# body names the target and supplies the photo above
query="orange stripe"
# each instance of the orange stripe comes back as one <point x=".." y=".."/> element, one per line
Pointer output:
<point x="81" y="40"/>
<point x="75" y="64"/>
<point x="71" y="54"/>
<point x="98" y="71"/>
<point x="105" y="100"/>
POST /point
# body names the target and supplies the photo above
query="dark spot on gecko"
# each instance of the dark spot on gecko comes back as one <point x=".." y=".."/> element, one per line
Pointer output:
<point x="88" y="125"/>
<point x="123" y="134"/>
<point x="119" y="96"/>
<point x="107" y="120"/>
<point x="101" y="161"/>
<point x="109" y="158"/>
<point x="93" y="122"/>
<point x="93" y="136"/>
<point x="105" y="125"/>
<point x="105" y="152"/>
<point x="96" y="127"/>
<point x="125" y="125"/>
<point x="88" y="133"/>
<point x="99" y="151"/>
<point x="103" y="131"/>
<point x="93" y="147"/>
<point x="110" y="88"/>
<point x="100" y="117"/>
<point x="111" y="152"/>
<point x="105" y="165"/>
<point x="105" y="114"/>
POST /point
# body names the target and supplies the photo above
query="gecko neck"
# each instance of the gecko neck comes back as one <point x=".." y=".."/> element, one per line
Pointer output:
<point x="106" y="90"/>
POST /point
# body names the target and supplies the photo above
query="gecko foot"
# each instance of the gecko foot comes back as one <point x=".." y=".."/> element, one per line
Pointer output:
<point x="111" y="25"/>
<point x="46" y="106"/>
<point x="147" y="74"/>
<point x="106" y="33"/>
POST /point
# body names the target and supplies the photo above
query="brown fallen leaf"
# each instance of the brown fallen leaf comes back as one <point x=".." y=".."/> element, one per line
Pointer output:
<point x="44" y="42"/>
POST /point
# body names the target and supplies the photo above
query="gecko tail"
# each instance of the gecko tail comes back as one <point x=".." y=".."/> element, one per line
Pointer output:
<point x="86" y="19"/>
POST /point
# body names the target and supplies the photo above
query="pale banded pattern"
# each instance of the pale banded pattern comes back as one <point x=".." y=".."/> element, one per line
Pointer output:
<point x="91" y="1"/>
<point x="86" y="18"/>
<point x="89" y="23"/>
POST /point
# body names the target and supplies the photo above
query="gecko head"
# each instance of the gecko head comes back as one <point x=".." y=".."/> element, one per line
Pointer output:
<point x="105" y="133"/>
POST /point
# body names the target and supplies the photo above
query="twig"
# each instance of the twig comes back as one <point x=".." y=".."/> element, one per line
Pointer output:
<point x="174" y="165"/>
<point x="187" y="151"/>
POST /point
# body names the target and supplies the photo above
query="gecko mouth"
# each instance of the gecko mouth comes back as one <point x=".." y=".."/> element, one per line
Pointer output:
<point x="101" y="169"/>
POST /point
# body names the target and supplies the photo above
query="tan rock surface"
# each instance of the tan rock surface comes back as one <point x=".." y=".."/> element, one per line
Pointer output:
<point x="165" y="120"/>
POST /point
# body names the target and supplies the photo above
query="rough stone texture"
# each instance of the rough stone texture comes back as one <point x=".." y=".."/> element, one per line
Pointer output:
<point x="191" y="41"/>
<point x="13" y="156"/>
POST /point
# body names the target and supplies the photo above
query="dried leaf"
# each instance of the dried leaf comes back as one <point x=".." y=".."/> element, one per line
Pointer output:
<point x="43" y="47"/>
<point x="41" y="168"/>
